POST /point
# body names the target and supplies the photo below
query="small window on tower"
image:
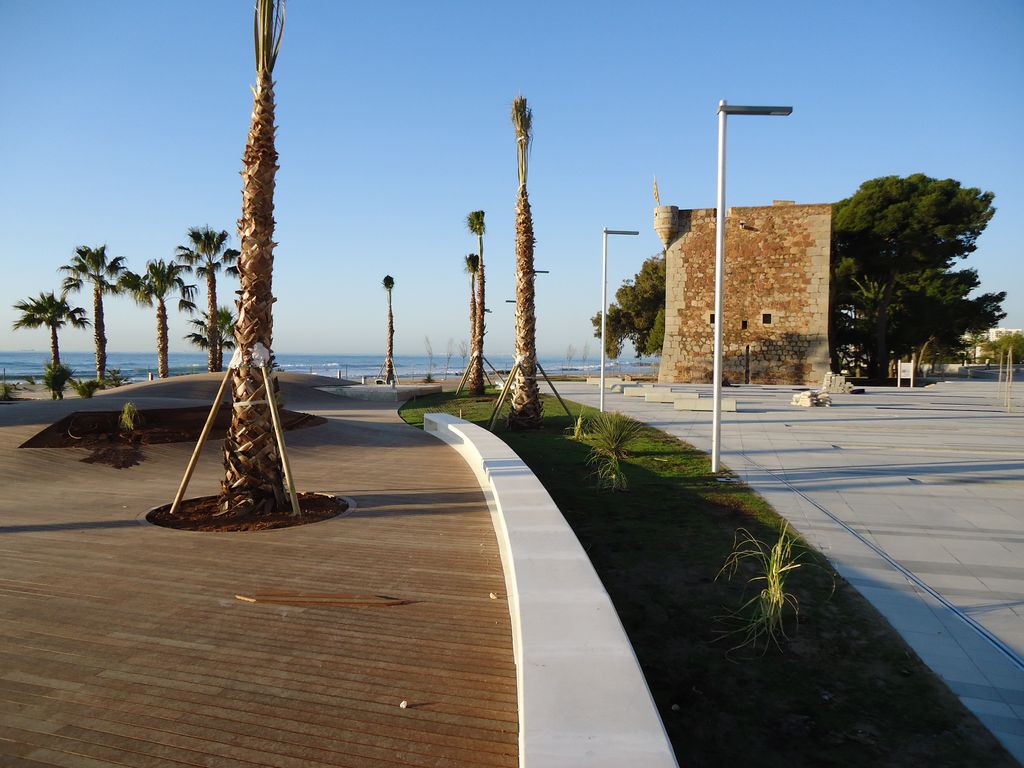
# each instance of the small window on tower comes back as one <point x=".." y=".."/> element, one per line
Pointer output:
<point x="711" y="318"/>
<point x="766" y="318"/>
<point x="743" y="325"/>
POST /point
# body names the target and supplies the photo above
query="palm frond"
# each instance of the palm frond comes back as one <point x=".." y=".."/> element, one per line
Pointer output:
<point x="388" y="282"/>
<point x="475" y="223"/>
<point x="472" y="263"/>
<point x="268" y="28"/>
<point x="522" y="119"/>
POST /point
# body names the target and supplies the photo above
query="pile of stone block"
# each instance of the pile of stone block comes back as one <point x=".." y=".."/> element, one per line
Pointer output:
<point x="811" y="399"/>
<point x="836" y="384"/>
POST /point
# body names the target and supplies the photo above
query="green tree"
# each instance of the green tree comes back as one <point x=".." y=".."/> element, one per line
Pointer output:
<point x="161" y="282"/>
<point x="527" y="411"/>
<point x="890" y="229"/>
<point x="224" y="339"/>
<point x="633" y="316"/>
<point x="1010" y="342"/>
<point x="475" y="224"/>
<point x="207" y="254"/>
<point x="47" y="310"/>
<point x="92" y="265"/>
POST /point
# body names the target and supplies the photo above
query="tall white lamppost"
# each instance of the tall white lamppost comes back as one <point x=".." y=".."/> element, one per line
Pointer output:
<point x="604" y="300"/>
<point x="724" y="110"/>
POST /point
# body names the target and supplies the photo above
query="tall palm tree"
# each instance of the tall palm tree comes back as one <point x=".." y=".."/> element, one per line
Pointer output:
<point x="225" y="339"/>
<point x="475" y="224"/>
<point x="162" y="281"/>
<point x="52" y="312"/>
<point x="92" y="265"/>
<point x="207" y="254"/>
<point x="472" y="268"/>
<point x="253" y="474"/>
<point x="389" y="361"/>
<point x="526" y="410"/>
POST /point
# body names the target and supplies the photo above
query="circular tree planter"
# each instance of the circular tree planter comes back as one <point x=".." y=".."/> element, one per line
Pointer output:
<point x="201" y="514"/>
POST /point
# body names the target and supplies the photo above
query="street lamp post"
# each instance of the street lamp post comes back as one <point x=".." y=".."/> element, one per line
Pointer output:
<point x="724" y="110"/>
<point x="604" y="299"/>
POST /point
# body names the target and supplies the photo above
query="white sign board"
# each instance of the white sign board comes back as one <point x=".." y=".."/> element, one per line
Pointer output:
<point x="906" y="370"/>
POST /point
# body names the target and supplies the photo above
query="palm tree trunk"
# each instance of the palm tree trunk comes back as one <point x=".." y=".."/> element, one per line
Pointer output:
<point x="472" y="323"/>
<point x="99" y="333"/>
<point x="476" y="378"/>
<point x="389" y="361"/>
<point x="161" y="339"/>
<point x="54" y="347"/>
<point x="212" y="328"/>
<point x="526" y="410"/>
<point x="253" y="478"/>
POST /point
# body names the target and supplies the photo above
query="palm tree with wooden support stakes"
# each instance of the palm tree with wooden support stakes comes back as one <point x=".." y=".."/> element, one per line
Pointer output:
<point x="527" y="410"/>
<point x="475" y="224"/>
<point x="92" y="265"/>
<point x="389" y="360"/>
<point x="162" y="281"/>
<point x="472" y="267"/>
<point x="257" y="475"/>
<point x="207" y="254"/>
<point x="53" y="313"/>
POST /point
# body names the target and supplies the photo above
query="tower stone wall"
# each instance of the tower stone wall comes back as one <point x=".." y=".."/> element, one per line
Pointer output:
<point x="776" y="293"/>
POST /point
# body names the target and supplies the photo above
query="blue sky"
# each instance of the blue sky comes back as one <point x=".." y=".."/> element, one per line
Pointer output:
<point x="124" y="123"/>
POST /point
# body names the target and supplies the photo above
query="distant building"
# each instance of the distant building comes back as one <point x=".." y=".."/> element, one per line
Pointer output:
<point x="997" y="333"/>
<point x="776" y="293"/>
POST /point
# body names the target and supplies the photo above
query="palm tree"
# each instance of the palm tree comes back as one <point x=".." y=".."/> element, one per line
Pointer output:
<point x="253" y="474"/>
<point x="161" y="282"/>
<point x="389" y="362"/>
<point x="225" y="338"/>
<point x="52" y="312"/>
<point x="91" y="265"/>
<point x="475" y="224"/>
<point x="472" y="268"/>
<point x="526" y="410"/>
<point x="208" y="256"/>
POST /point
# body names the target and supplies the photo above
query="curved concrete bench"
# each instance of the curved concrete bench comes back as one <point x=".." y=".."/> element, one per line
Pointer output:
<point x="583" y="700"/>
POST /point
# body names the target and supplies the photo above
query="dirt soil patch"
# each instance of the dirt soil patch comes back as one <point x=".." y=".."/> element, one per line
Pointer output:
<point x="101" y="433"/>
<point x="201" y="514"/>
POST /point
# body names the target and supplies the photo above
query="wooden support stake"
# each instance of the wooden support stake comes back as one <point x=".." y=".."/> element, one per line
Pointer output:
<point x="200" y="443"/>
<point x="493" y="369"/>
<point x="279" y="434"/>
<point x="501" y="398"/>
<point x="567" y="411"/>
<point x="465" y="374"/>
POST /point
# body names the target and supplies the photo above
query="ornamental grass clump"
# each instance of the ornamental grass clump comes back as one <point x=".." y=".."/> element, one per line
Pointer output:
<point x="610" y="436"/>
<point x="762" y="618"/>
<point x="130" y="417"/>
<point x="86" y="388"/>
<point x="579" y="428"/>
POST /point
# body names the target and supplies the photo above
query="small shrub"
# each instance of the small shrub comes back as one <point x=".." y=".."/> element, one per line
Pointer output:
<point x="761" y="618"/>
<point x="30" y="380"/>
<point x="114" y="379"/>
<point x="130" y="417"/>
<point x="87" y="388"/>
<point x="56" y="379"/>
<point x="430" y="378"/>
<point x="7" y="391"/>
<point x="612" y="433"/>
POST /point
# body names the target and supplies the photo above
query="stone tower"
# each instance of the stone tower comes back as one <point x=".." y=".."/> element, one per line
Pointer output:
<point x="776" y="293"/>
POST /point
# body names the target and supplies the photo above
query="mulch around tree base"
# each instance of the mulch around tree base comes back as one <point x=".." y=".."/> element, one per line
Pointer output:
<point x="201" y="514"/>
<point x="100" y="431"/>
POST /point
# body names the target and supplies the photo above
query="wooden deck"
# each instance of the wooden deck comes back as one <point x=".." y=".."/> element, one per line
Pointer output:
<point x="124" y="644"/>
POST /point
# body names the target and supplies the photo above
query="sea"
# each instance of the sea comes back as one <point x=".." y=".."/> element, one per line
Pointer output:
<point x="137" y="366"/>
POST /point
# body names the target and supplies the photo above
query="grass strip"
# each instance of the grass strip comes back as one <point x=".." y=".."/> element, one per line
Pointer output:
<point x="843" y="689"/>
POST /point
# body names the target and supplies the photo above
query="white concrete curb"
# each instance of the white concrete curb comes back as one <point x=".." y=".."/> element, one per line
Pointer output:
<point x="583" y="700"/>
